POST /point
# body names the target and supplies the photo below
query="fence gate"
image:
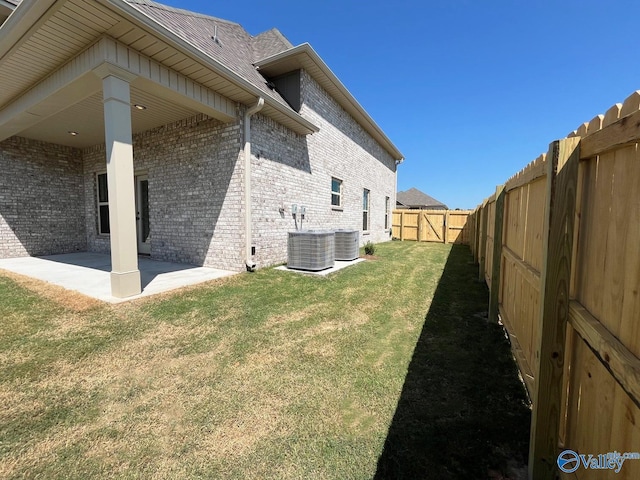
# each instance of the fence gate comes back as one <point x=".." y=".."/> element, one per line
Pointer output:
<point x="432" y="226"/>
<point x="441" y="226"/>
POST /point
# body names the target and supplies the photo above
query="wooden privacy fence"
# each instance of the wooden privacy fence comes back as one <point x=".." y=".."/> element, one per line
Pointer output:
<point x="559" y="246"/>
<point x="443" y="226"/>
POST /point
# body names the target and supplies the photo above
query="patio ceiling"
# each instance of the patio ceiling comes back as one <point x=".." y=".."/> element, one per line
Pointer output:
<point x="86" y="119"/>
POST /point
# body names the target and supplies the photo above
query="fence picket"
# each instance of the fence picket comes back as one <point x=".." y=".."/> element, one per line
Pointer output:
<point x="562" y="178"/>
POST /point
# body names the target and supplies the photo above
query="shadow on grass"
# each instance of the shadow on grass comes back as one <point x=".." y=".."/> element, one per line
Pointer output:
<point x="463" y="412"/>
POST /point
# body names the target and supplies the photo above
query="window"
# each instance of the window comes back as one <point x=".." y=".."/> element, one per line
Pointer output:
<point x="103" y="205"/>
<point x="365" y="210"/>
<point x="336" y="192"/>
<point x="386" y="213"/>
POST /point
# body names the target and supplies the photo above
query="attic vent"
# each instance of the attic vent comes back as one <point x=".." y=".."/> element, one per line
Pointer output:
<point x="215" y="35"/>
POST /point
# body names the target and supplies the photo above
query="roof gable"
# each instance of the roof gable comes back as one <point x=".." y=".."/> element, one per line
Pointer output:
<point x="305" y="57"/>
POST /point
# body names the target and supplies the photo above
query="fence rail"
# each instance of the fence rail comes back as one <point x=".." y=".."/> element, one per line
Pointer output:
<point x="442" y="226"/>
<point x="559" y="246"/>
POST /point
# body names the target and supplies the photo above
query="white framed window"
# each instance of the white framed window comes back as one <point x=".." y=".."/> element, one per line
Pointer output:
<point x="336" y="192"/>
<point x="102" y="194"/>
<point x="365" y="209"/>
<point x="387" y="202"/>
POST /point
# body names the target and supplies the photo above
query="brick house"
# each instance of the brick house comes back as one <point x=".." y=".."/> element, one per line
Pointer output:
<point x="130" y="127"/>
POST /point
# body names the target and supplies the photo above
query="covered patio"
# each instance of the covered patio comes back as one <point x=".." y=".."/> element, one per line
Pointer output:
<point x="89" y="273"/>
<point x="94" y="90"/>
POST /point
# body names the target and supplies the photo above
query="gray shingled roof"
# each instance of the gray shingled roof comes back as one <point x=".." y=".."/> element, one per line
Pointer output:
<point x="237" y="49"/>
<point x="269" y="43"/>
<point x="417" y="199"/>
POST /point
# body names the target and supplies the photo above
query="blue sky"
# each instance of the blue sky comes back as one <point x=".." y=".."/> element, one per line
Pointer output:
<point x="470" y="91"/>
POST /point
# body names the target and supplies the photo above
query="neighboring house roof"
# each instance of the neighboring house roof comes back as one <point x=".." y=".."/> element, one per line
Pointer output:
<point x="416" y="199"/>
<point x="221" y="47"/>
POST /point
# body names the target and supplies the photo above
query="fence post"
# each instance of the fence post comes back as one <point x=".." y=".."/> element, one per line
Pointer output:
<point x="402" y="225"/>
<point x="482" y="252"/>
<point x="476" y="234"/>
<point x="494" y="292"/>
<point x="446" y="227"/>
<point x="560" y="203"/>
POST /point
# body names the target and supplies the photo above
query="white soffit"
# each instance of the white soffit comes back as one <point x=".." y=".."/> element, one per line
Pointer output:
<point x="86" y="118"/>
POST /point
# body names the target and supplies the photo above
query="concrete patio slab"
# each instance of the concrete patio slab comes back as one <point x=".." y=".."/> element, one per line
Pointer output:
<point x="89" y="273"/>
<point x="338" y="265"/>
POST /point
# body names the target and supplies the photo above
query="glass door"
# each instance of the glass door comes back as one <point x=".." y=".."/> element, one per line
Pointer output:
<point x="142" y="215"/>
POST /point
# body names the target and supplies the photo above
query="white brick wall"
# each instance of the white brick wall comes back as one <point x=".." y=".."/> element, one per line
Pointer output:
<point x="195" y="192"/>
<point x="40" y="199"/>
<point x="292" y="169"/>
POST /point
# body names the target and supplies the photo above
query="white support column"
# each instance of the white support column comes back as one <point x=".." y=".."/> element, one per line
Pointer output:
<point x="125" y="276"/>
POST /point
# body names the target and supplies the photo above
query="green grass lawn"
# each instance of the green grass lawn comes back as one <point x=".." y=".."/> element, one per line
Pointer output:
<point x="387" y="369"/>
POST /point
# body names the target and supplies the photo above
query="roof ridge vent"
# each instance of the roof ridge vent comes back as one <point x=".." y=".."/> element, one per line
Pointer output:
<point x="215" y="35"/>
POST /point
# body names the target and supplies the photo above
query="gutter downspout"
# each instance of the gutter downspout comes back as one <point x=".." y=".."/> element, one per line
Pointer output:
<point x="251" y="266"/>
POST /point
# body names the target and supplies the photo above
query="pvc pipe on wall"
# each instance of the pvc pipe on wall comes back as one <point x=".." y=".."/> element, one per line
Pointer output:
<point x="250" y="264"/>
